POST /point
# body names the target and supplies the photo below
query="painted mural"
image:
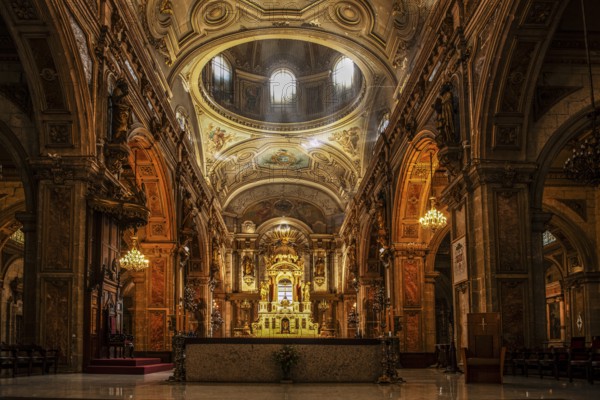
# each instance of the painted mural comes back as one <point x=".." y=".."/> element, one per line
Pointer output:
<point x="267" y="209"/>
<point x="283" y="159"/>
<point x="218" y="137"/>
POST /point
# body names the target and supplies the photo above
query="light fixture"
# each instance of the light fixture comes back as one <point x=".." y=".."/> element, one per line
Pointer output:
<point x="584" y="163"/>
<point x="433" y="219"/>
<point x="134" y="260"/>
<point x="323" y="305"/>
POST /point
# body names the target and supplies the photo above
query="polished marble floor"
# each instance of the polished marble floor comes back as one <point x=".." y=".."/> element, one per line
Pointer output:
<point x="421" y="384"/>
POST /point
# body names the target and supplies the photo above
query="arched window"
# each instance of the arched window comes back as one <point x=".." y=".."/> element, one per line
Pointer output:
<point x="343" y="74"/>
<point x="283" y="88"/>
<point x="284" y="290"/>
<point x="221" y="78"/>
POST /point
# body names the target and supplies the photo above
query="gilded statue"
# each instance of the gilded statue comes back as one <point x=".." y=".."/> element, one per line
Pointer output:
<point x="306" y="292"/>
<point x="264" y="291"/>
<point x="121" y="112"/>
<point x="247" y="266"/>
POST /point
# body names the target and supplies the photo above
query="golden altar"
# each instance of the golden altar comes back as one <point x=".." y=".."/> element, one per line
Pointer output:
<point x="285" y="309"/>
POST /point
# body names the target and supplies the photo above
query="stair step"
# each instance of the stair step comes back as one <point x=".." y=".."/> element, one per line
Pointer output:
<point x="128" y="370"/>
<point x="125" y="362"/>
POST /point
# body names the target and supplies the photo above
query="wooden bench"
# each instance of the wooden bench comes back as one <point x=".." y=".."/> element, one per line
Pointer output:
<point x="28" y="357"/>
<point x="7" y="359"/>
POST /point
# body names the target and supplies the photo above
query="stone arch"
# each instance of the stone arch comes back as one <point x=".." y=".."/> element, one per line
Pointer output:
<point x="12" y="145"/>
<point x="413" y="186"/>
<point x="575" y="236"/>
<point x="507" y="100"/>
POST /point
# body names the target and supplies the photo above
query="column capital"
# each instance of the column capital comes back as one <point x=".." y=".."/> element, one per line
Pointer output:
<point x="539" y="220"/>
<point x="29" y="221"/>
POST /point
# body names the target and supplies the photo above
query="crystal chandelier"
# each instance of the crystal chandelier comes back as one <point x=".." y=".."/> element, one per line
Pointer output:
<point x="433" y="219"/>
<point x="584" y="163"/>
<point x="134" y="260"/>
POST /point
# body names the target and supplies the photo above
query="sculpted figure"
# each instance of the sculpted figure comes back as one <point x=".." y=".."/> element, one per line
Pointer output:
<point x="247" y="266"/>
<point x="306" y="291"/>
<point x="264" y="291"/>
<point x="320" y="267"/>
<point x="444" y="107"/>
<point x="121" y="112"/>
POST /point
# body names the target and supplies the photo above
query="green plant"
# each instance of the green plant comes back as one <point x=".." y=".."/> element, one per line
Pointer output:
<point x="286" y="357"/>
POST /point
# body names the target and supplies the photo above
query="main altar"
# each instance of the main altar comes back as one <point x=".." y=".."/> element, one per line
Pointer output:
<point x="285" y="308"/>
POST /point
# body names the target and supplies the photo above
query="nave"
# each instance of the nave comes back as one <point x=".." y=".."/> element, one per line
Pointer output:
<point x="426" y="384"/>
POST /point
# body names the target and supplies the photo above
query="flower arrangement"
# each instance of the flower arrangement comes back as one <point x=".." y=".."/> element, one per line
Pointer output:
<point x="286" y="357"/>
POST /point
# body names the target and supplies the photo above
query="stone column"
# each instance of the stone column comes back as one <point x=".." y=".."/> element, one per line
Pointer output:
<point x="537" y="306"/>
<point x="30" y="307"/>
<point x="491" y="212"/>
<point x="139" y="313"/>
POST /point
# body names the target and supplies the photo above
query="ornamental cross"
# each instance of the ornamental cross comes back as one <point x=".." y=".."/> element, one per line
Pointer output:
<point x="483" y="324"/>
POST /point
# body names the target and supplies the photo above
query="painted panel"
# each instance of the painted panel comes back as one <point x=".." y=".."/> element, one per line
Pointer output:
<point x="410" y="277"/>
<point x="278" y="158"/>
<point x="57" y="231"/>
<point x="158" y="283"/>
<point x="156" y="330"/>
<point x="413" y="195"/>
<point x="508" y="231"/>
<point x="56" y="315"/>
<point x="512" y="303"/>
<point x="413" y="329"/>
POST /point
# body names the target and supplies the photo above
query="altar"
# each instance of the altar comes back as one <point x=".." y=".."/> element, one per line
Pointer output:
<point x="285" y="309"/>
<point x="251" y="360"/>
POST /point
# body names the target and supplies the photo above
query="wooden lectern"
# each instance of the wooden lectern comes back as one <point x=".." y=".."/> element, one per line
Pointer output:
<point x="484" y="357"/>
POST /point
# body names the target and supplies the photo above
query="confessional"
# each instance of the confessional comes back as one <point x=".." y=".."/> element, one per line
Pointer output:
<point x="484" y="357"/>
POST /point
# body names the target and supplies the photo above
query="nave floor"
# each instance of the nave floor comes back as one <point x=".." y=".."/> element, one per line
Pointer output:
<point x="421" y="384"/>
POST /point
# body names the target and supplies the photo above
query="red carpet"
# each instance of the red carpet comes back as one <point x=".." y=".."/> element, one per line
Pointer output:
<point x="127" y="366"/>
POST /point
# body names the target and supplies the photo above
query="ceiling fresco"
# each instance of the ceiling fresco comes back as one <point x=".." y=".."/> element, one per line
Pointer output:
<point x="320" y="150"/>
<point x="281" y="208"/>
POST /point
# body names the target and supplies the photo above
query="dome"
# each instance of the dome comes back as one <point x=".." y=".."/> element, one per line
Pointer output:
<point x="282" y="81"/>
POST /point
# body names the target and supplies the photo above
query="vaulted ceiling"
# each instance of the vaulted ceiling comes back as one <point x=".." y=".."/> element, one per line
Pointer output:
<point x="314" y="163"/>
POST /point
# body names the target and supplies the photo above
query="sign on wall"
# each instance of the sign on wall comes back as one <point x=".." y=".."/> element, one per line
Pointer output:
<point x="459" y="260"/>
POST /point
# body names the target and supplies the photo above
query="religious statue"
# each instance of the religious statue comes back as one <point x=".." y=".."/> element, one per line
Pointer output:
<point x="264" y="291"/>
<point x="446" y="124"/>
<point x="121" y="112"/>
<point x="320" y="267"/>
<point x="306" y="292"/>
<point x="247" y="266"/>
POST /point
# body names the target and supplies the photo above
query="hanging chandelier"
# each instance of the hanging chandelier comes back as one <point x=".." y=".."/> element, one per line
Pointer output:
<point x="584" y="163"/>
<point x="134" y="260"/>
<point x="433" y="219"/>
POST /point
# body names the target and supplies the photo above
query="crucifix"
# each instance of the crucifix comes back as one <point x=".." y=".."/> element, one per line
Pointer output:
<point x="483" y="324"/>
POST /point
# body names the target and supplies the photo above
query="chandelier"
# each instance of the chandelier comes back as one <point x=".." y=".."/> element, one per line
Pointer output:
<point x="584" y="164"/>
<point x="433" y="219"/>
<point x="134" y="260"/>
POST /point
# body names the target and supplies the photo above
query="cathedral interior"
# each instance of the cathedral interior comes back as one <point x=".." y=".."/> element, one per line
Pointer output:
<point x="297" y="169"/>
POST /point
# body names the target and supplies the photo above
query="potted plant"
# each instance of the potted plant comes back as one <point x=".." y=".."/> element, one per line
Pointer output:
<point x="286" y="357"/>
